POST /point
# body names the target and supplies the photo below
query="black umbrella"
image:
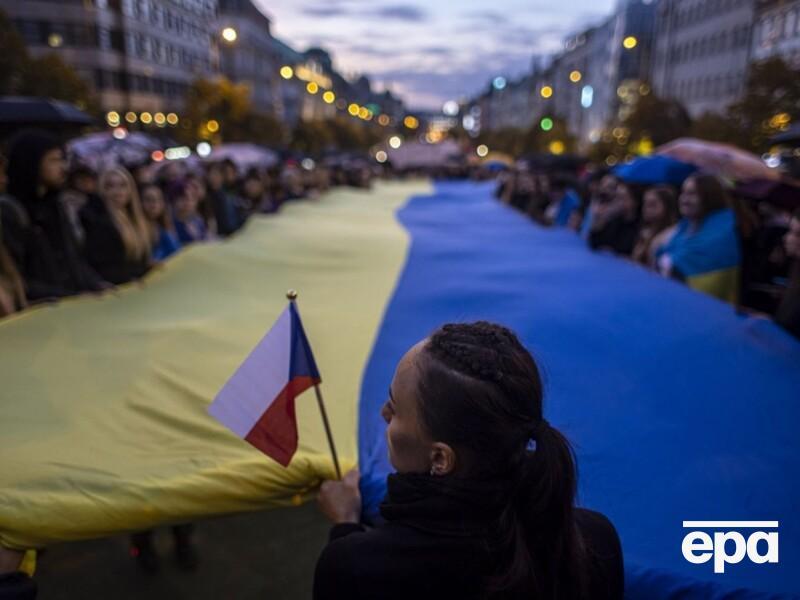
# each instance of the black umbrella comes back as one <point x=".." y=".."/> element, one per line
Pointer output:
<point x="22" y="110"/>
<point x="790" y="136"/>
<point x="566" y="162"/>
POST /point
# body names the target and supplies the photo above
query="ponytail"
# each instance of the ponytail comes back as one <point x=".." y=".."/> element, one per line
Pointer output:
<point x="538" y="544"/>
<point x="481" y="392"/>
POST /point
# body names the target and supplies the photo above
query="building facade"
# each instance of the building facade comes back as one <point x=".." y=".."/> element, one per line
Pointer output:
<point x="253" y="57"/>
<point x="776" y="31"/>
<point x="593" y="80"/>
<point x="702" y="52"/>
<point x="138" y="55"/>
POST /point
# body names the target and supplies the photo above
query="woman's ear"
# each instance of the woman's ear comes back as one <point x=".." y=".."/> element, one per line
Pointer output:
<point x="443" y="459"/>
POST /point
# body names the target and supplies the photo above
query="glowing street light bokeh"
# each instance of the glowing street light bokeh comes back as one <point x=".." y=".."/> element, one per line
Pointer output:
<point x="287" y="72"/>
<point x="450" y="108"/>
<point x="482" y="150"/>
<point x="629" y="43"/>
<point x="411" y="122"/>
<point x="546" y="91"/>
<point x="230" y="35"/>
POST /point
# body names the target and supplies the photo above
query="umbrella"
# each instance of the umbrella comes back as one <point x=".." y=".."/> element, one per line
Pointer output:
<point x="722" y="160"/>
<point x="244" y="155"/>
<point x="555" y="162"/>
<point x="654" y="170"/>
<point x="790" y="137"/>
<point x="23" y="110"/>
<point x="497" y="160"/>
<point x="102" y="149"/>
<point x="412" y="155"/>
<point x="783" y="194"/>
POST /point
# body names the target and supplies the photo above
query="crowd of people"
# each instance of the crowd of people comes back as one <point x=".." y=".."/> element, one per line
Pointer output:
<point x="702" y="233"/>
<point x="67" y="229"/>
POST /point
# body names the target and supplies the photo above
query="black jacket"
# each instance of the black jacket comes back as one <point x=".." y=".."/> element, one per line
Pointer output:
<point x="35" y="228"/>
<point x="103" y="245"/>
<point x="44" y="249"/>
<point x="618" y="235"/>
<point x="435" y="555"/>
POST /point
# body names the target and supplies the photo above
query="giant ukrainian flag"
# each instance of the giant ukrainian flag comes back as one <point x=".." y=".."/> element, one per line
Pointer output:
<point x="103" y="422"/>
<point x="679" y="409"/>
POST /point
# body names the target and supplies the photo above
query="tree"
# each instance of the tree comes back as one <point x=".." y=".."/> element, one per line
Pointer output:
<point x="220" y="110"/>
<point x="50" y="77"/>
<point x="770" y="102"/>
<point x="13" y="57"/>
<point x="349" y="134"/>
<point x="717" y="128"/>
<point x="656" y="119"/>
<point x="311" y="137"/>
<point x="47" y="76"/>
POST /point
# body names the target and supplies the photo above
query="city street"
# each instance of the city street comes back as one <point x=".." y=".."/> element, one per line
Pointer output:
<point x="509" y="292"/>
<point x="269" y="554"/>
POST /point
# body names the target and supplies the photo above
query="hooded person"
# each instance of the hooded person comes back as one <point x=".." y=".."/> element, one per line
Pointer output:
<point x="36" y="230"/>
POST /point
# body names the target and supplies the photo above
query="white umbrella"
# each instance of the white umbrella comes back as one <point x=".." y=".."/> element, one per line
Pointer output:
<point x="417" y="154"/>
<point x="244" y="155"/>
<point x="100" y="150"/>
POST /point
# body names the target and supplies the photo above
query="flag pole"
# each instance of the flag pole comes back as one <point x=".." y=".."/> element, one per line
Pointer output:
<point x="292" y="296"/>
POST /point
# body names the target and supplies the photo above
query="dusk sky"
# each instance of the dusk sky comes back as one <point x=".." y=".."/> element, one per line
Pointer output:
<point x="429" y="52"/>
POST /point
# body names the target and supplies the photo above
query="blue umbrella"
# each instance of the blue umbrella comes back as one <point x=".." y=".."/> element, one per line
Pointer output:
<point x="655" y="169"/>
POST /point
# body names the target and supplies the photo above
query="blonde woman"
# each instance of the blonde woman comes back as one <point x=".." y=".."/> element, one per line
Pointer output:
<point x="117" y="236"/>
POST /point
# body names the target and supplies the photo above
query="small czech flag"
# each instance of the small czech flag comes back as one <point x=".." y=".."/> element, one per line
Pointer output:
<point x="257" y="402"/>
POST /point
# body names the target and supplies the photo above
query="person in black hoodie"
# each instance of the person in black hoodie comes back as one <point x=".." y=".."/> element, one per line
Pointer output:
<point x="36" y="231"/>
<point x="117" y="240"/>
<point x="482" y="503"/>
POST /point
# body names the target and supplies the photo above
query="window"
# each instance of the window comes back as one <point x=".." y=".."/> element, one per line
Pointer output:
<point x="790" y="24"/>
<point x="103" y="39"/>
<point x="31" y="32"/>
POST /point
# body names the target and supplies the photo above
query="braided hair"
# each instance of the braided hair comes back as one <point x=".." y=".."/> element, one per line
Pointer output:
<point x="481" y="392"/>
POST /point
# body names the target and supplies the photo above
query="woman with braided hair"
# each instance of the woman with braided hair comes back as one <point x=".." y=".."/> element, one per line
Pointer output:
<point x="482" y="501"/>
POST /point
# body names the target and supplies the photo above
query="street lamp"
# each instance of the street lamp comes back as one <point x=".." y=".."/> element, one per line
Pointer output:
<point x="230" y="35"/>
<point x="629" y="43"/>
